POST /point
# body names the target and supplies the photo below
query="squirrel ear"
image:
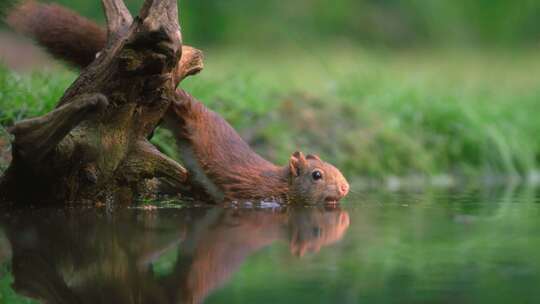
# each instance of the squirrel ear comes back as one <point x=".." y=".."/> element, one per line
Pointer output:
<point x="296" y="163"/>
<point x="313" y="156"/>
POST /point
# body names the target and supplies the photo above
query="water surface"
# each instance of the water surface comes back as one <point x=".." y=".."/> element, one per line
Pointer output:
<point x="425" y="247"/>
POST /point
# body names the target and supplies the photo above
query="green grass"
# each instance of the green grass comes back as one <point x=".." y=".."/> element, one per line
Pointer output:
<point x="372" y="113"/>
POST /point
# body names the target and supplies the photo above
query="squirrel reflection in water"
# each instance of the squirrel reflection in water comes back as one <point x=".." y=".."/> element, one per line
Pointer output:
<point x="88" y="257"/>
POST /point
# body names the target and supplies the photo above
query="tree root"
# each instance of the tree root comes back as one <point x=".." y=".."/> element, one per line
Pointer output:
<point x="95" y="142"/>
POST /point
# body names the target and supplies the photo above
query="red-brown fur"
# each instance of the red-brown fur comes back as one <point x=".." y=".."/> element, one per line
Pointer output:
<point x="223" y="156"/>
<point x="63" y="32"/>
<point x="216" y="156"/>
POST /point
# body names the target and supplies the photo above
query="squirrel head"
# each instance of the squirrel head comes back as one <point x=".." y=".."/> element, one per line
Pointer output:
<point x="314" y="181"/>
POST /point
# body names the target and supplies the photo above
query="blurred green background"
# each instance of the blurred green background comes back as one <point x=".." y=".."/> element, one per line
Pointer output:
<point x="373" y="23"/>
<point x="382" y="89"/>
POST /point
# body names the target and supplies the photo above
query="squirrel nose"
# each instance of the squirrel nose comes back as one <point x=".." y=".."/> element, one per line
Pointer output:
<point x="343" y="189"/>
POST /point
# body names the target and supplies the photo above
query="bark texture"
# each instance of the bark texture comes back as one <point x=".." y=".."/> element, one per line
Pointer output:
<point x="94" y="145"/>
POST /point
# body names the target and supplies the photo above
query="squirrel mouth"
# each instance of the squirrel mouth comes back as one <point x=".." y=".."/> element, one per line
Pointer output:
<point x="331" y="200"/>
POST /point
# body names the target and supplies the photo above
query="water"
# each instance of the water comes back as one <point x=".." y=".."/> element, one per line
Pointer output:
<point x="430" y="247"/>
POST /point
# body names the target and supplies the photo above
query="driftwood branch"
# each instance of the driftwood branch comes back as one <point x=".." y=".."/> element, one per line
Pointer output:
<point x="72" y="156"/>
<point x="118" y="17"/>
<point x="156" y="13"/>
<point x="36" y="137"/>
<point x="147" y="162"/>
<point x="190" y="64"/>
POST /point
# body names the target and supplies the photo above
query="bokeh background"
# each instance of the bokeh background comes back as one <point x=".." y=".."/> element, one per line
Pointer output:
<point x="413" y="92"/>
<point x="369" y="23"/>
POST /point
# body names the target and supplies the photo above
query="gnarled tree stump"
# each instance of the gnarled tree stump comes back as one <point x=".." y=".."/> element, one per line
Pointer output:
<point x="94" y="145"/>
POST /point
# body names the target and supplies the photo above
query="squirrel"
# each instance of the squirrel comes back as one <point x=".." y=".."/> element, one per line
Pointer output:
<point x="228" y="168"/>
<point x="216" y="157"/>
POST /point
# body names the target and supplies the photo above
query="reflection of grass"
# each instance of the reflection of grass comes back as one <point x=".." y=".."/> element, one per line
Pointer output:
<point x="483" y="247"/>
<point x="7" y="294"/>
<point x="431" y="248"/>
<point x="370" y="113"/>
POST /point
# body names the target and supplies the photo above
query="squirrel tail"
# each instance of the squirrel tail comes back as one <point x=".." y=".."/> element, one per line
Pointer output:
<point x="61" y="31"/>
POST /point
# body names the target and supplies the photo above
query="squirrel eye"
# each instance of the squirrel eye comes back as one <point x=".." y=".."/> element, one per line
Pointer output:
<point x="316" y="175"/>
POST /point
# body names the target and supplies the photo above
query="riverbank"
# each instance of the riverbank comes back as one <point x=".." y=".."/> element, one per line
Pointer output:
<point x="373" y="114"/>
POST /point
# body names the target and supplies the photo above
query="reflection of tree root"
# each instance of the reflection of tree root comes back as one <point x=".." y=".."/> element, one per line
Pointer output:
<point x="81" y="256"/>
<point x="5" y="149"/>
